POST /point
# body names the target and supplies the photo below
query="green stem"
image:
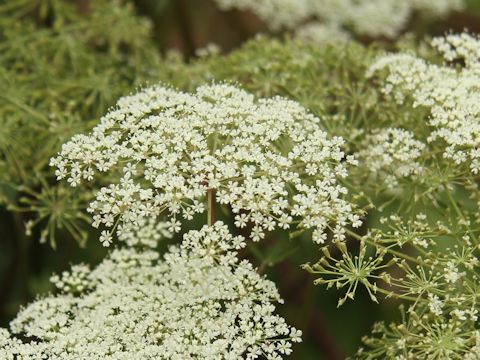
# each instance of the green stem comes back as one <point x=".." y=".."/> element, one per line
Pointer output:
<point x="455" y="206"/>
<point x="386" y="248"/>
<point x="398" y="296"/>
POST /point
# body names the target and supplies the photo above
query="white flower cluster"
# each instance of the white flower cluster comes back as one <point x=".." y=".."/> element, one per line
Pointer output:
<point x="145" y="234"/>
<point x="449" y="91"/>
<point x="320" y="33"/>
<point x="366" y="17"/>
<point x="437" y="7"/>
<point x="276" y="14"/>
<point x="200" y="302"/>
<point x="268" y="159"/>
<point x="392" y="154"/>
<point x="379" y="17"/>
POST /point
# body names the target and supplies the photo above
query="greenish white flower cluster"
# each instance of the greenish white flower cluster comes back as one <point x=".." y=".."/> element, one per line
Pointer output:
<point x="320" y="33"/>
<point x="374" y="18"/>
<point x="441" y="321"/>
<point x="391" y="154"/>
<point x="366" y="17"/>
<point x="268" y="159"/>
<point x="379" y="17"/>
<point x="448" y="91"/>
<point x="199" y="302"/>
<point x="277" y="14"/>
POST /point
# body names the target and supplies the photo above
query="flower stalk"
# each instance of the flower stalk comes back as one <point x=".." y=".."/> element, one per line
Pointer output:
<point x="211" y="204"/>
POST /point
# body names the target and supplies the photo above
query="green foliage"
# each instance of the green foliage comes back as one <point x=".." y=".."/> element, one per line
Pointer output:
<point x="61" y="67"/>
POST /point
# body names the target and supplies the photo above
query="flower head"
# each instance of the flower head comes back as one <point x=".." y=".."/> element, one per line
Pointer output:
<point x="392" y="154"/>
<point x="449" y="92"/>
<point x="367" y="17"/>
<point x="199" y="302"/>
<point x="268" y="158"/>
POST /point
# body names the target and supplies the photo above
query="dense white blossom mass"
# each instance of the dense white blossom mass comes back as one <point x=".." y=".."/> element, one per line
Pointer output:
<point x="199" y="302"/>
<point x="277" y="14"/>
<point x="268" y="159"/>
<point x="450" y="91"/>
<point x="319" y="33"/>
<point x="366" y="17"/>
<point x="392" y="154"/>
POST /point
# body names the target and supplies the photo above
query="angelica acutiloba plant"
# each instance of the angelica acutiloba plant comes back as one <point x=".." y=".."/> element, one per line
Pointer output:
<point x="399" y="168"/>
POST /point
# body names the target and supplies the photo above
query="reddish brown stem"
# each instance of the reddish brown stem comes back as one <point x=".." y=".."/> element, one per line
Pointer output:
<point x="211" y="204"/>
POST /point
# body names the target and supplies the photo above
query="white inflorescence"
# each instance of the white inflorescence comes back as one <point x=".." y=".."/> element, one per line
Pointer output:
<point x="268" y="159"/>
<point x="147" y="233"/>
<point x="450" y="91"/>
<point x="200" y="302"/>
<point x="277" y="14"/>
<point x="320" y="33"/>
<point x="392" y="154"/>
<point x="379" y="17"/>
<point x="438" y="7"/>
<point x="366" y="17"/>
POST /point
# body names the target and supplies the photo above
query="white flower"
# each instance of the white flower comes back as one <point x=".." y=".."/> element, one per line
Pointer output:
<point x="460" y="314"/>
<point x="28" y="227"/>
<point x="106" y="238"/>
<point x="200" y="302"/>
<point x="368" y="17"/>
<point x="435" y="304"/>
<point x="210" y="49"/>
<point x="451" y="273"/>
<point x="147" y="234"/>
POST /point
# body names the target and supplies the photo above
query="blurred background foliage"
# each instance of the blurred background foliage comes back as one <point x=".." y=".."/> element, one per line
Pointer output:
<point x="64" y="63"/>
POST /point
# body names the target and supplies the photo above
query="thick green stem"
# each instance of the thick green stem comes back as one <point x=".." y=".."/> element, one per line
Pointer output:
<point x="211" y="204"/>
